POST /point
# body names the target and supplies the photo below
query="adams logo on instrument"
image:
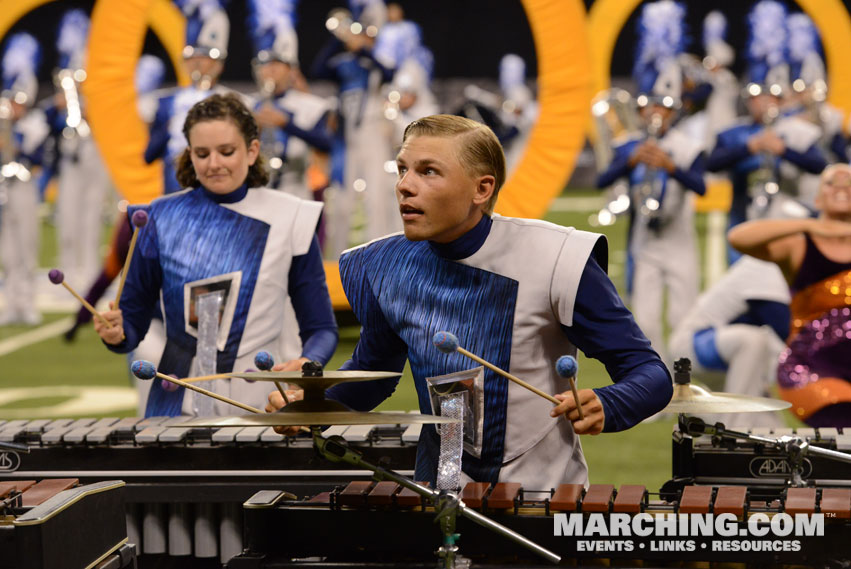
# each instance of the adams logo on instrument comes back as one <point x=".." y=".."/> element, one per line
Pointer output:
<point x="9" y="461"/>
<point x="772" y="467"/>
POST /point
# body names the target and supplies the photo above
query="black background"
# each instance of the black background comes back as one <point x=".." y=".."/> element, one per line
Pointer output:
<point x="468" y="37"/>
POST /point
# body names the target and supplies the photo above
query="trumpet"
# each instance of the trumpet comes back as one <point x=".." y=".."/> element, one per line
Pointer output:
<point x="269" y="145"/>
<point x="762" y="182"/>
<point x="615" y="116"/>
<point x="10" y="167"/>
<point x="342" y="25"/>
<point x="67" y="80"/>
<point x="648" y="193"/>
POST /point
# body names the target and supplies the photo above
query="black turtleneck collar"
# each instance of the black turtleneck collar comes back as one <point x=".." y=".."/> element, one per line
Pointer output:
<point x="232" y="197"/>
<point x="467" y="244"/>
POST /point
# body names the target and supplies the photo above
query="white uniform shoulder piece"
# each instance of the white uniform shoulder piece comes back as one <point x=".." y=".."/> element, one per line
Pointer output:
<point x="682" y="147"/>
<point x="560" y="255"/>
<point x="797" y="133"/>
<point x="307" y="108"/>
<point x="277" y="208"/>
<point x="34" y="128"/>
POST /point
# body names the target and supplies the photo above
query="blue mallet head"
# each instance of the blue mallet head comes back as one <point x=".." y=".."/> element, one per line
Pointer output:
<point x="139" y="218"/>
<point x="264" y="361"/>
<point x="566" y="366"/>
<point x="168" y="385"/>
<point x="143" y="369"/>
<point x="446" y="342"/>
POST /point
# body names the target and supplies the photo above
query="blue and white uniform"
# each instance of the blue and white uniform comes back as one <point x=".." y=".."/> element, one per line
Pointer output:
<point x="738" y="327"/>
<point x="259" y="246"/>
<point x="360" y="77"/>
<point x="306" y="128"/>
<point x="19" y="221"/>
<point x="21" y="147"/>
<point x="662" y="257"/>
<point x="518" y="310"/>
<point x="731" y="153"/>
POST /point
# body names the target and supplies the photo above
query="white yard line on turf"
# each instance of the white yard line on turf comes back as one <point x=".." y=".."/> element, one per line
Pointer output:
<point x="41" y="333"/>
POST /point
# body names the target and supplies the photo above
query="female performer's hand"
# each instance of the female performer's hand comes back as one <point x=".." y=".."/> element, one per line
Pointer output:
<point x="115" y="334"/>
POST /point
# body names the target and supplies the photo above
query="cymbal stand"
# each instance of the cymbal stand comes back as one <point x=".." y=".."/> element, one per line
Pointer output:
<point x="447" y="504"/>
<point x="795" y="447"/>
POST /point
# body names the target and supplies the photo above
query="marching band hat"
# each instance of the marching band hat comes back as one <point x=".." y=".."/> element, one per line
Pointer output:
<point x="21" y="59"/>
<point x="207" y="28"/>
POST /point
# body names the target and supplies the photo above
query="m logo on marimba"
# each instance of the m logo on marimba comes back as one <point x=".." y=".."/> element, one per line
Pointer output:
<point x="9" y="461"/>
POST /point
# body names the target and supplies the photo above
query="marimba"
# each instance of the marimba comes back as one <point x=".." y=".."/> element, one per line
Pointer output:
<point x="185" y="487"/>
<point x="59" y="524"/>
<point x="712" y="460"/>
<point x="380" y="523"/>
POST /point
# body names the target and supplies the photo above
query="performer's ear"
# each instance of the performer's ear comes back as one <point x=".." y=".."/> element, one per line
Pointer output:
<point x="253" y="151"/>
<point x="485" y="186"/>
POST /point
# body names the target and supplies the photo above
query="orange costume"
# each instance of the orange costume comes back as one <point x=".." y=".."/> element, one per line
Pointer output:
<point x="815" y="370"/>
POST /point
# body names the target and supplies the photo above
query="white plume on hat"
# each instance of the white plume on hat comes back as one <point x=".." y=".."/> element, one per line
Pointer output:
<point x="715" y="39"/>
<point x="20" y="63"/>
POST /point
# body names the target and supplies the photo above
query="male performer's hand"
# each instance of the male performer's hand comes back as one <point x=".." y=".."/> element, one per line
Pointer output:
<point x="592" y="408"/>
<point x="292" y="365"/>
<point x="276" y="402"/>
<point x="267" y="116"/>
<point x="114" y="335"/>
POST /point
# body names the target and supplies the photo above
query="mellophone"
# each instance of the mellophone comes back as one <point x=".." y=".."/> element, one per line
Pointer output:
<point x="714" y="460"/>
<point x="184" y="487"/>
<point x="381" y="522"/>
<point x="59" y="523"/>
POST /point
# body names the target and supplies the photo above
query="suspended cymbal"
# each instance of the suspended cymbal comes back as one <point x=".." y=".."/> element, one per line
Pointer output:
<point x="320" y="418"/>
<point x="690" y="398"/>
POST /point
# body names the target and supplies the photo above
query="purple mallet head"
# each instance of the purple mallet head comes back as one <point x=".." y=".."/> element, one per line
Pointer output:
<point x="250" y="370"/>
<point x="143" y="369"/>
<point x="169" y="386"/>
<point x="139" y="218"/>
<point x="446" y="342"/>
<point x="566" y="366"/>
<point x="264" y="361"/>
<point x="56" y="276"/>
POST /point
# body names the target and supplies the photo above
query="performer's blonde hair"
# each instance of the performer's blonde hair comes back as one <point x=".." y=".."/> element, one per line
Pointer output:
<point x="480" y="151"/>
<point x="827" y="173"/>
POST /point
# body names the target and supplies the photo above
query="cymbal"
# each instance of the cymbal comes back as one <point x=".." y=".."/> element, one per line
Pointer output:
<point x="690" y="398"/>
<point x="321" y="418"/>
<point x="326" y="380"/>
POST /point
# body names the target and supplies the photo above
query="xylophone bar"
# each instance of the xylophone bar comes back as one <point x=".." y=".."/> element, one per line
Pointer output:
<point x="185" y="486"/>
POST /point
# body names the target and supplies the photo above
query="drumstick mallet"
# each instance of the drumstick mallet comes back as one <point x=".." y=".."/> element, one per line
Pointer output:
<point x="58" y="277"/>
<point x="447" y="343"/>
<point x="146" y="370"/>
<point x="264" y="362"/>
<point x="139" y="219"/>
<point x="567" y="368"/>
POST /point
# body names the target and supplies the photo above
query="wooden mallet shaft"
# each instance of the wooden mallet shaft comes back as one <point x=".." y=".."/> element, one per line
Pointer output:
<point x="139" y="219"/>
<point x="210" y="377"/>
<point x="203" y="391"/>
<point x="507" y="375"/>
<point x="57" y="277"/>
<point x="447" y="343"/>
